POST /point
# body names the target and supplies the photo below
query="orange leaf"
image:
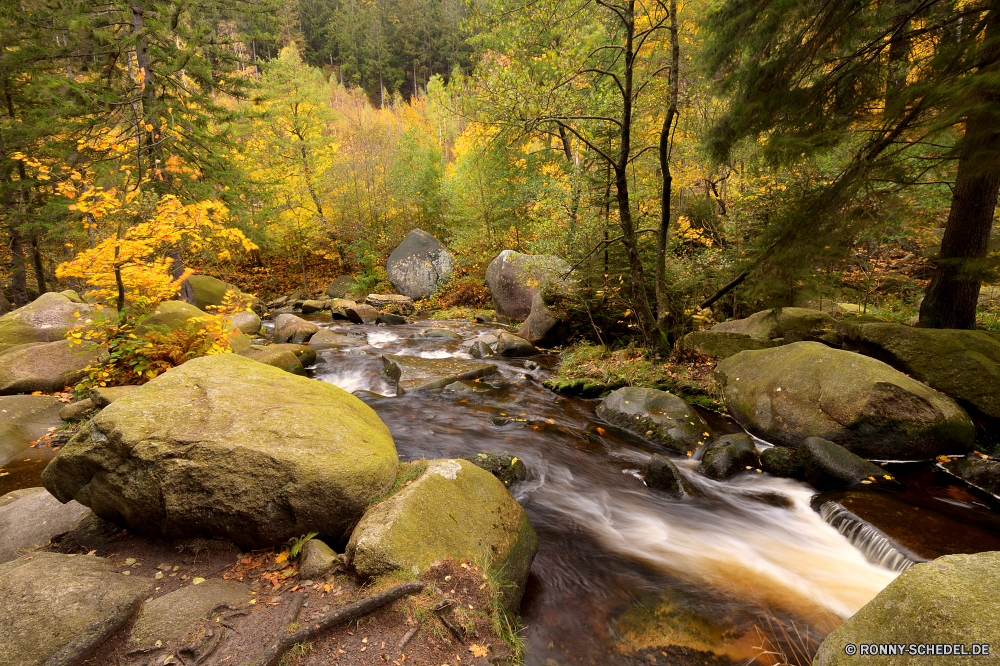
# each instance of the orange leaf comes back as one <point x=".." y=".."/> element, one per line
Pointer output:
<point x="478" y="650"/>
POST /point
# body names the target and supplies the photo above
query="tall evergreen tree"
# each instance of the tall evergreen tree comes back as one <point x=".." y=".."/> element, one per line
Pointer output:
<point x="903" y="87"/>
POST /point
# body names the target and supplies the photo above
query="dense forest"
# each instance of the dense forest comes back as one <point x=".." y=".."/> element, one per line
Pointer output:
<point x="792" y="152"/>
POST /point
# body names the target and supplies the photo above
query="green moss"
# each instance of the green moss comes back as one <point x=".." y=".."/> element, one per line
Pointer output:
<point x="405" y="473"/>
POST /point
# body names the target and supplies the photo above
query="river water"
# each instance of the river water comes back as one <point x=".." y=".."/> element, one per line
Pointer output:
<point x="619" y="564"/>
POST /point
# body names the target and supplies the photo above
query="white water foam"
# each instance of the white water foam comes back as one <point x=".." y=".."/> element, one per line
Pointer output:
<point x="357" y="380"/>
<point x="381" y="338"/>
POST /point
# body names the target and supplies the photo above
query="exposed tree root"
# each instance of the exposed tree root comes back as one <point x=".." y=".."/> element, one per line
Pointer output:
<point x="80" y="648"/>
<point x="287" y="636"/>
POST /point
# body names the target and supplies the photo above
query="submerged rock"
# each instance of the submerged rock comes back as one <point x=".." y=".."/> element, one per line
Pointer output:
<point x="420" y="265"/>
<point x="828" y="466"/>
<point x="657" y="416"/>
<point x="662" y="474"/>
<point x="454" y="509"/>
<point x="948" y="601"/>
<point x="728" y="456"/>
<point x="413" y="373"/>
<point x="807" y="389"/>
<point x="49" y="600"/>
<point x="506" y="467"/>
<point x="225" y="447"/>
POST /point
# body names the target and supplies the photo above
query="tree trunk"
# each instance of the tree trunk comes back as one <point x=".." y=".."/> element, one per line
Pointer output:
<point x="668" y="179"/>
<point x="36" y="261"/>
<point x="952" y="296"/>
<point x="19" y="280"/>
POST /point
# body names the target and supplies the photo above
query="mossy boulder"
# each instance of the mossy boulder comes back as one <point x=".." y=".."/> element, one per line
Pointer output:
<point x="830" y="467"/>
<point x="169" y="316"/>
<point x="49" y="600"/>
<point x="276" y="356"/>
<point x="963" y="364"/>
<point x="662" y="474"/>
<point x="23" y="419"/>
<point x="656" y="416"/>
<point x="807" y="389"/>
<point x="46" y="319"/>
<point x="209" y="290"/>
<point x="779" y="323"/>
<point x="582" y="387"/>
<point x="782" y="462"/>
<point x="46" y="366"/>
<point x="315" y="559"/>
<point x="723" y="344"/>
<point x="728" y="456"/>
<point x="508" y="468"/>
<point x="454" y="509"/>
<point x="225" y="447"/>
<point x="341" y="286"/>
<point x="950" y="600"/>
<point x="103" y="396"/>
<point x="413" y="373"/>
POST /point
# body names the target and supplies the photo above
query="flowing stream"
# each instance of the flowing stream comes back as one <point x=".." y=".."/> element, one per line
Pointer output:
<point x="619" y="564"/>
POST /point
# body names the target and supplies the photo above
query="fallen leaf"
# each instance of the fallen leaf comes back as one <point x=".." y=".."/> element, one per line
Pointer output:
<point x="281" y="557"/>
<point x="327" y="587"/>
<point x="478" y="650"/>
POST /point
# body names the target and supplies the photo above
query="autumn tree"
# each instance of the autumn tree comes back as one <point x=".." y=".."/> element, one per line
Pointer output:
<point x="904" y="90"/>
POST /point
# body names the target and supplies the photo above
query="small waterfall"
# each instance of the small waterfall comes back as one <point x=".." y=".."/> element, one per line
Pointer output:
<point x="876" y="546"/>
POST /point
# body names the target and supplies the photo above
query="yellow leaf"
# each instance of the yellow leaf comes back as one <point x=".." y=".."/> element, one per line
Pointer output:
<point x="281" y="557"/>
<point x="478" y="650"/>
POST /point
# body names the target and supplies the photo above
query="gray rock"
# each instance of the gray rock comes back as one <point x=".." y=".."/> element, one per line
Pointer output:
<point x="311" y="306"/>
<point x="46" y="319"/>
<point x="275" y="356"/>
<point x="454" y="509"/>
<point x="246" y="322"/>
<point x="439" y="334"/>
<point x="771" y="324"/>
<point x="807" y="389"/>
<point x="76" y="410"/>
<point x="65" y="595"/>
<point x="391" y="302"/>
<point x="419" y="266"/>
<point x="829" y="467"/>
<point x="315" y="559"/>
<point x="514" y="279"/>
<point x="228" y="448"/>
<point x="105" y="395"/>
<point x="45" y="366"/>
<point x="412" y="373"/>
<point x="480" y="349"/>
<point x="510" y="345"/>
<point x="542" y="327"/>
<point x="459" y="387"/>
<point x="305" y="354"/>
<point x="289" y="328"/>
<point x="983" y="474"/>
<point x="657" y="416"/>
<point x="728" y="456"/>
<point x="33" y="519"/>
<point x="945" y="601"/>
<point x="326" y="338"/>
<point x="171" y="616"/>
<point x="390" y="319"/>
<point x="662" y="474"/>
<point x="23" y="419"/>
<point x="361" y="314"/>
<point x="782" y="462"/>
<point x="723" y="344"/>
<point x="342" y="286"/>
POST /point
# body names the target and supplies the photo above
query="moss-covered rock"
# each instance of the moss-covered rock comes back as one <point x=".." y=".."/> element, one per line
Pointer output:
<point x="777" y="323"/>
<point x="722" y="344"/>
<point x="276" y="356"/>
<point x="963" y="364"/>
<point x="245" y="321"/>
<point x="807" y="389"/>
<point x="511" y="345"/>
<point x="454" y="509"/>
<point x="169" y="316"/>
<point x="413" y="373"/>
<point x="508" y="468"/>
<point x="580" y="387"/>
<point x="46" y="319"/>
<point x="829" y="467"/>
<point x="950" y="600"/>
<point x="657" y="416"/>
<point x="225" y="447"/>
<point x="45" y="366"/>
<point x="315" y="559"/>
<point x="209" y="290"/>
<point x="171" y="616"/>
<point x="782" y="462"/>
<point x="66" y="595"/>
<point x="662" y="474"/>
<point x="341" y="286"/>
<point x="728" y="456"/>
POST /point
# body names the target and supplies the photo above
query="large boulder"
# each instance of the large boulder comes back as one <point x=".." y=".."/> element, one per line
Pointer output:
<point x="512" y="346"/>
<point x="225" y="447"/>
<point x="807" y="389"/>
<point x="723" y="344"/>
<point x="453" y="509"/>
<point x="244" y="321"/>
<point x="30" y="518"/>
<point x="657" y="416"/>
<point x="209" y="290"/>
<point x="543" y="327"/>
<point x="46" y="366"/>
<point x="963" y="364"/>
<point x="779" y="323"/>
<point x="289" y="328"/>
<point x="171" y="616"/>
<point x="51" y="603"/>
<point x="514" y="279"/>
<point x="169" y="316"/>
<point x="413" y="373"/>
<point x="931" y="606"/>
<point x="419" y="265"/>
<point x="23" y="419"/>
<point x="342" y="286"/>
<point x="46" y="319"/>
